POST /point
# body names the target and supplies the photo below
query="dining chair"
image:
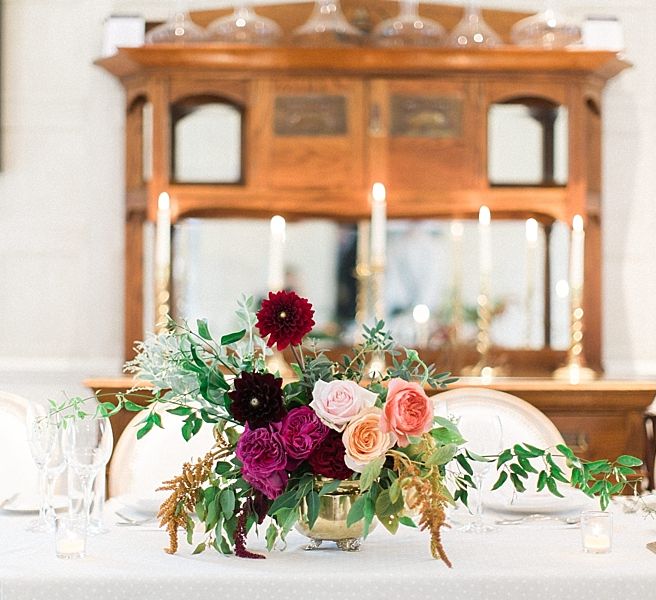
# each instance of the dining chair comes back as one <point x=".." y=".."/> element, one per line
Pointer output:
<point x="650" y="448"/>
<point x="18" y="473"/>
<point x="138" y="467"/>
<point x="520" y="421"/>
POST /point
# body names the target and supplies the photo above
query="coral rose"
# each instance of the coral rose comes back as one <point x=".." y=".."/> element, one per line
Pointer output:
<point x="337" y="402"/>
<point x="364" y="440"/>
<point x="408" y="411"/>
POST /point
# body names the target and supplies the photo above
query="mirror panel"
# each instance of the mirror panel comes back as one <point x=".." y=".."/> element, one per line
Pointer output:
<point x="527" y="143"/>
<point x="218" y="260"/>
<point x="207" y="143"/>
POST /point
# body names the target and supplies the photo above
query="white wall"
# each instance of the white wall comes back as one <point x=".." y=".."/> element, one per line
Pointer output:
<point x="61" y="200"/>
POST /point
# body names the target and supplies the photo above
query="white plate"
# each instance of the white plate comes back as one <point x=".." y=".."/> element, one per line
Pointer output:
<point x="141" y="506"/>
<point x="540" y="502"/>
<point x="29" y="504"/>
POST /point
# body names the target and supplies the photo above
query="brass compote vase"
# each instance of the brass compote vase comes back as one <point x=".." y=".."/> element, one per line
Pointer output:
<point x="330" y="524"/>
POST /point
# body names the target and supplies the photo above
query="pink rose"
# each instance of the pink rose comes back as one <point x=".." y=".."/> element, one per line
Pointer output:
<point x="364" y="441"/>
<point x="408" y="411"/>
<point x="337" y="402"/>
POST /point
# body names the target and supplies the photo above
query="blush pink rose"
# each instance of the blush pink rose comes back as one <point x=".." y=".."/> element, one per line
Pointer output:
<point x="337" y="402"/>
<point x="364" y="440"/>
<point x="408" y="411"/>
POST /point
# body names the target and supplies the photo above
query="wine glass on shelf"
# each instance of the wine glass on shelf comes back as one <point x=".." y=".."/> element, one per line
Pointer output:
<point x="484" y="436"/>
<point x="472" y="31"/>
<point x="178" y="29"/>
<point x="42" y="427"/>
<point x="547" y="29"/>
<point x="327" y="26"/>
<point x="244" y="26"/>
<point x="408" y="29"/>
<point x="87" y="446"/>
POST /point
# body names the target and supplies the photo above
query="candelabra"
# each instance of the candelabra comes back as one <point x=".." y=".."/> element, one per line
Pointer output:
<point x="162" y="297"/>
<point x="576" y="369"/>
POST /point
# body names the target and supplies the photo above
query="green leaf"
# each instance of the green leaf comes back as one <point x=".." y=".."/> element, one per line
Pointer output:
<point x="227" y="502"/>
<point x="180" y="411"/>
<point x="504" y="457"/>
<point x="371" y="472"/>
<point x="442" y="455"/>
<point x="553" y="487"/>
<point x="271" y="536"/>
<point x="203" y="329"/>
<point x="408" y="522"/>
<point x="503" y="476"/>
<point x="329" y="487"/>
<point x="566" y="451"/>
<point x="288" y="500"/>
<point x="462" y="461"/>
<point x="369" y="513"/>
<point x="132" y="406"/>
<point x="542" y="480"/>
<point x="156" y="419"/>
<point x="356" y="513"/>
<point x="313" y="501"/>
<point x="145" y="429"/>
<point x="517" y="482"/>
<point x="231" y="338"/>
<point x="200" y="548"/>
<point x="395" y="491"/>
<point x="517" y="470"/>
<point x="222" y="468"/>
<point x="525" y="463"/>
<point x="212" y="516"/>
<point x="628" y="461"/>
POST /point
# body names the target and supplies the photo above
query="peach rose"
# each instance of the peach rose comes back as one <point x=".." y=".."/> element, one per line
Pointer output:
<point x="337" y="402"/>
<point x="408" y="411"/>
<point x="364" y="441"/>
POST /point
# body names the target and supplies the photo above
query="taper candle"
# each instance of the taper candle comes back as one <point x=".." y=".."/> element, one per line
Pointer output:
<point x="378" y="224"/>
<point x="485" y="251"/>
<point x="531" y="246"/>
<point x="163" y="232"/>
<point x="276" y="278"/>
<point x="577" y="257"/>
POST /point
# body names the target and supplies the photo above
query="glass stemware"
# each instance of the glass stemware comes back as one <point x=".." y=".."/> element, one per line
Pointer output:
<point x="484" y="437"/>
<point x="472" y="31"/>
<point x="42" y="438"/>
<point x="55" y="466"/>
<point x="547" y="29"/>
<point x="327" y="26"/>
<point x="178" y="29"/>
<point x="87" y="446"/>
<point x="408" y="29"/>
<point x="244" y="26"/>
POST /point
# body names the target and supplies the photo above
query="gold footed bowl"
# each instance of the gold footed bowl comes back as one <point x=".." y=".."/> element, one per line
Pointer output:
<point x="331" y="522"/>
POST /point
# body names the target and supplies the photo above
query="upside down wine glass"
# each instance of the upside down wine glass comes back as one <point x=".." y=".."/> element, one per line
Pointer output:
<point x="178" y="29"/>
<point x="87" y="446"/>
<point x="484" y="437"/>
<point x="408" y="29"/>
<point x="327" y="26"/>
<point x="244" y="26"/>
<point x="472" y="31"/>
<point x="547" y="29"/>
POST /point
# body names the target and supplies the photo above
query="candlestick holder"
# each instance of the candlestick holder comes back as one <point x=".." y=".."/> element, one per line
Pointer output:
<point x="576" y="369"/>
<point x="484" y="368"/>
<point x="276" y="363"/>
<point x="162" y="297"/>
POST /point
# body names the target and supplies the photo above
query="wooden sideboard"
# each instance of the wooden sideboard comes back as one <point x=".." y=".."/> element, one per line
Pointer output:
<point x="598" y="419"/>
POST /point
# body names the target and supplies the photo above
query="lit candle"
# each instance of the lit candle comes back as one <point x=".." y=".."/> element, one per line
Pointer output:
<point x="276" y="279"/>
<point x="596" y="531"/>
<point x="576" y="265"/>
<point x="163" y="232"/>
<point x="421" y="315"/>
<point x="531" y="245"/>
<point x="485" y="252"/>
<point x="363" y="245"/>
<point x="457" y="231"/>
<point x="378" y="224"/>
<point x="596" y="543"/>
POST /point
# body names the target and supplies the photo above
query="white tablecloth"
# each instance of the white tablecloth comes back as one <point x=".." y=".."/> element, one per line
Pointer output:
<point x="513" y="562"/>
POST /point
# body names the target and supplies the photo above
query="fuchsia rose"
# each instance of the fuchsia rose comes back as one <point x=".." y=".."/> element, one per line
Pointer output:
<point x="301" y="432"/>
<point x="408" y="411"/>
<point x="263" y="457"/>
<point x="337" y="402"/>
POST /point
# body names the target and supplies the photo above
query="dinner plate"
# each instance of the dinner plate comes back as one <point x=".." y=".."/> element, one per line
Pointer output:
<point x="30" y="504"/>
<point x="544" y="502"/>
<point x="141" y="506"/>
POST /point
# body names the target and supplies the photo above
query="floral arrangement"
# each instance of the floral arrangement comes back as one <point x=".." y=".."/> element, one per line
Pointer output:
<point x="282" y="445"/>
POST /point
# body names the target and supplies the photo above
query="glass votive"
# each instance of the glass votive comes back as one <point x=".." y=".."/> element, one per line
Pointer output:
<point x="596" y="531"/>
<point x="70" y="536"/>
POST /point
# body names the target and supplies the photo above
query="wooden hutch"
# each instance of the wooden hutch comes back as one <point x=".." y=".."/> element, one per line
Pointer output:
<point x="320" y="125"/>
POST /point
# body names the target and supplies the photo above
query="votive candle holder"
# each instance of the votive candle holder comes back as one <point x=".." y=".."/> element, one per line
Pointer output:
<point x="596" y="531"/>
<point x="70" y="536"/>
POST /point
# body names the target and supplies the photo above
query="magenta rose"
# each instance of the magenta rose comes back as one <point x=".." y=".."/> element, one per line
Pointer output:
<point x="302" y="431"/>
<point x="263" y="457"/>
<point x="328" y="458"/>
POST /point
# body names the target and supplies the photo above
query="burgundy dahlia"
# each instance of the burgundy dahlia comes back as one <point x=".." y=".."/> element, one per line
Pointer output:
<point x="328" y="458"/>
<point x="285" y="317"/>
<point x="257" y="399"/>
<point x="301" y="432"/>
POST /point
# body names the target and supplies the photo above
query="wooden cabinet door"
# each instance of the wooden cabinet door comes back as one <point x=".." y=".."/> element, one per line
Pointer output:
<point x="310" y="133"/>
<point x="423" y="135"/>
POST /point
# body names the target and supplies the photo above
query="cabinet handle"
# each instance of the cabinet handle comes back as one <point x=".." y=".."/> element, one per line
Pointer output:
<point x="578" y="441"/>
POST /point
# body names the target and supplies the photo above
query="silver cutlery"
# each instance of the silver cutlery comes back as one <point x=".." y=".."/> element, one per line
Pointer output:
<point x="7" y="501"/>
<point x="125" y="520"/>
<point x="536" y="518"/>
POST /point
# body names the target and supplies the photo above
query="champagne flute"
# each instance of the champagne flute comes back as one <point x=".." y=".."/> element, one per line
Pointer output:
<point x="484" y="436"/>
<point x="87" y="446"/>
<point x="42" y="438"/>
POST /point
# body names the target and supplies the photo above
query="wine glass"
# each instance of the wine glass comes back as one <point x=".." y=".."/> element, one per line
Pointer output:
<point x="408" y="29"/>
<point x="484" y="436"/>
<point x="87" y="446"/>
<point x="547" y="29"/>
<point x="178" y="29"/>
<point x="327" y="26"/>
<point x="244" y="26"/>
<point x="42" y="438"/>
<point x="54" y="468"/>
<point x="472" y="31"/>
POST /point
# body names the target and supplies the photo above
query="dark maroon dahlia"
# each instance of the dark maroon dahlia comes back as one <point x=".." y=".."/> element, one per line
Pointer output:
<point x="285" y="317"/>
<point x="257" y="399"/>
<point x="328" y="458"/>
